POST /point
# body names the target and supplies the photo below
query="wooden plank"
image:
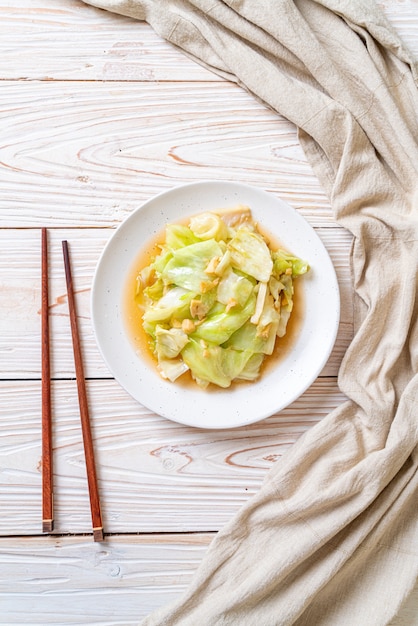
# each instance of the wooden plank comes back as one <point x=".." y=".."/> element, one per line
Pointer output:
<point x="71" y="580"/>
<point x="20" y="304"/>
<point x="74" y="581"/>
<point x="87" y="154"/>
<point x="154" y="475"/>
<point x="69" y="40"/>
<point x="402" y="15"/>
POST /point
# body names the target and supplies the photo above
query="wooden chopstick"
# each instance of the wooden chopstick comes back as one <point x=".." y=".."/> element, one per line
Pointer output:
<point x="47" y="473"/>
<point x="83" y="404"/>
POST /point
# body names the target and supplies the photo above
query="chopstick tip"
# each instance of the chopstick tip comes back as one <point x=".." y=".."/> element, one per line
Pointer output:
<point x="47" y="526"/>
<point x="98" y="534"/>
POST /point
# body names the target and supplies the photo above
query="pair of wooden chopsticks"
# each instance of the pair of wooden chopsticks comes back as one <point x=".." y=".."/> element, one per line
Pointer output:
<point x="47" y="473"/>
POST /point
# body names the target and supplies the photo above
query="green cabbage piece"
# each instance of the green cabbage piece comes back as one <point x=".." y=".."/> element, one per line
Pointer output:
<point x="171" y="369"/>
<point x="169" y="342"/>
<point x="202" y="304"/>
<point x="251" y="371"/>
<point x="284" y="318"/>
<point x="187" y="266"/>
<point x="250" y="254"/>
<point x="248" y="338"/>
<point x="155" y="291"/>
<point x="283" y="261"/>
<point x="179" y="236"/>
<point x="234" y="287"/>
<point x="209" y="226"/>
<point x="213" y="364"/>
<point x="175" y="303"/>
<point x="221" y="323"/>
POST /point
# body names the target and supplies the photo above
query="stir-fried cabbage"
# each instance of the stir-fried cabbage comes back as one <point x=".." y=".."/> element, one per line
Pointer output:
<point x="216" y="298"/>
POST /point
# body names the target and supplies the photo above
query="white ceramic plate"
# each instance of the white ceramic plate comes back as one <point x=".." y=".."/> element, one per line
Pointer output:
<point x="280" y="385"/>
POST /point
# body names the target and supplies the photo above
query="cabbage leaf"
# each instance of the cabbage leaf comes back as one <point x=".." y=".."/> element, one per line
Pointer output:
<point x="187" y="266"/>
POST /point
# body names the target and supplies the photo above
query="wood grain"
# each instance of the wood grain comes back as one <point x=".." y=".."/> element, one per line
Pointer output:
<point x="402" y="16"/>
<point x="154" y="475"/>
<point x="69" y="40"/>
<point x="112" y="146"/>
<point x="74" y="581"/>
<point x="69" y="580"/>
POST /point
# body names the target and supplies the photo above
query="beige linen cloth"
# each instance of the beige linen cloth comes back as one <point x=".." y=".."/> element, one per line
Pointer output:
<point x="332" y="536"/>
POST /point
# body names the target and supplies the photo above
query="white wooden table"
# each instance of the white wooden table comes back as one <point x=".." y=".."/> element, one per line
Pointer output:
<point x="98" y="114"/>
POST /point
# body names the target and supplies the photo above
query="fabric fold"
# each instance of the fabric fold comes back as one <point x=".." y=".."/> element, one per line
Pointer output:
<point x="331" y="539"/>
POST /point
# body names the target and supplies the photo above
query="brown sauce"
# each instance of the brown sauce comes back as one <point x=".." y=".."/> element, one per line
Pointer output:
<point x="132" y="312"/>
